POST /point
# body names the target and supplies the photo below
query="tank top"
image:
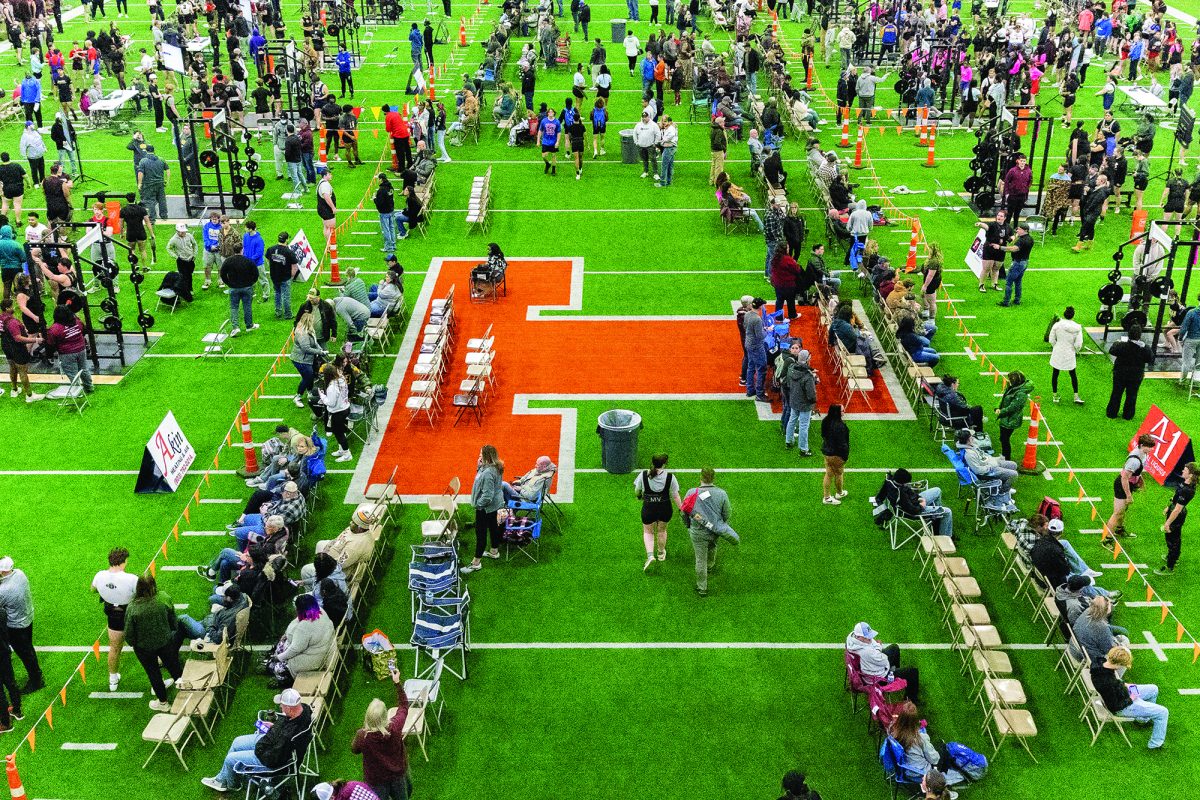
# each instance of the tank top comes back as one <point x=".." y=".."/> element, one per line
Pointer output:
<point x="652" y="498"/>
<point x="53" y="187"/>
<point x="322" y="209"/>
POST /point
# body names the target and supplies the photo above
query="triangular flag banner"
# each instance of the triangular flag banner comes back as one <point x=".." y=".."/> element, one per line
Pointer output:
<point x="228" y="441"/>
<point x="50" y="716"/>
<point x="62" y="695"/>
<point x="96" y="649"/>
<point x="1058" y="460"/>
<point x="1149" y="593"/>
<point x="1093" y="513"/>
<point x="216" y="462"/>
<point x="164" y="551"/>
<point x="175" y="531"/>
<point x="1081" y="492"/>
<point x="187" y="512"/>
<point x="1129" y="572"/>
<point x="375" y="111"/>
<point x="83" y="671"/>
<point x="1071" y="476"/>
<point x="207" y="482"/>
<point x="32" y="739"/>
<point x="196" y="495"/>
<point x="1179" y="631"/>
<point x="1195" y="651"/>
<point x="153" y="570"/>
<point x="1049" y="435"/>
<point x="375" y="133"/>
<point x="1164" y="614"/>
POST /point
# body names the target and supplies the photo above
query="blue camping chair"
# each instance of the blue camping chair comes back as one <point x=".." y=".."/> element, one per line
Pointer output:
<point x="992" y="503"/>
<point x="896" y="770"/>
<point x="441" y="626"/>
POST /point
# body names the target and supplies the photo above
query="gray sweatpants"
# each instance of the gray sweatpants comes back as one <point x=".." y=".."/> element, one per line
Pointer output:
<point x="704" y="542"/>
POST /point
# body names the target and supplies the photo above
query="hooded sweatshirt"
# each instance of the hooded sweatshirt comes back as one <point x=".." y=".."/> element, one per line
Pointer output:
<point x="11" y="254"/>
<point x="860" y="219"/>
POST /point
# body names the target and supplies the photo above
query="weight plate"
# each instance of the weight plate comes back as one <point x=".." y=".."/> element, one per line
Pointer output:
<point x="256" y="183"/>
<point x="241" y="201"/>
<point x="230" y="145"/>
<point x="1110" y="294"/>
<point x="146" y="319"/>
<point x="252" y="166"/>
<point x="112" y="324"/>
<point x="985" y="199"/>
<point x="1104" y="316"/>
<point x="1162" y="286"/>
<point x="332" y="29"/>
<point x="1139" y="283"/>
<point x="1132" y="318"/>
<point x="109" y="305"/>
<point x="133" y="262"/>
<point x="208" y="159"/>
<point x="236" y="180"/>
<point x="235" y="165"/>
<point x="1114" y="275"/>
<point x="104" y="271"/>
<point x="137" y="277"/>
<point x="250" y="151"/>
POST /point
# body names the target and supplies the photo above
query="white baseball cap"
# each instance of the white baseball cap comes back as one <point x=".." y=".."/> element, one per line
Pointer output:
<point x="323" y="791"/>
<point x="6" y="564"/>
<point x="864" y="630"/>
<point x="1055" y="526"/>
<point x="288" y="697"/>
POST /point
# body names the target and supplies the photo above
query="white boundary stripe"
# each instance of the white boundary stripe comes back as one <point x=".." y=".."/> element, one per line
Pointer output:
<point x="221" y="500"/>
<point x="116" y="695"/>
<point x="88" y="746"/>
<point x="1147" y="603"/>
<point x="178" y="568"/>
<point x="1187" y="692"/>
<point x="1153" y="645"/>
<point x="1120" y="566"/>
<point x="204" y="533"/>
<point x="1078" y="499"/>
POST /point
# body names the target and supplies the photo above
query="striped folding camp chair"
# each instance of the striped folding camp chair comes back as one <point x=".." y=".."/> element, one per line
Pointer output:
<point x="440" y="629"/>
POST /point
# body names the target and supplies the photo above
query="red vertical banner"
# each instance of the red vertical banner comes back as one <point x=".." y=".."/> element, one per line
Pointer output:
<point x="1172" y="449"/>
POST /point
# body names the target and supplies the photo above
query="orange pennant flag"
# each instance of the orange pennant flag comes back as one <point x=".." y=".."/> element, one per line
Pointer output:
<point x="83" y="671"/>
<point x="32" y="739"/>
<point x="1129" y="572"/>
<point x="375" y="133"/>
<point x="50" y="716"/>
<point x="62" y="695"/>
<point x="1081" y="491"/>
<point x="1195" y="651"/>
<point x="1179" y="631"/>
<point x="1116" y="548"/>
<point x="1164" y="614"/>
<point x="164" y="551"/>
<point x="216" y="462"/>
<point x="1071" y="476"/>
<point x="1149" y="593"/>
<point x="1049" y="435"/>
<point x="196" y="495"/>
<point x="207" y="482"/>
<point x="96" y="649"/>
<point x="228" y="441"/>
<point x="187" y="512"/>
<point x="175" y="531"/>
<point x="1093" y="513"/>
<point x="153" y="570"/>
<point x="1058" y="460"/>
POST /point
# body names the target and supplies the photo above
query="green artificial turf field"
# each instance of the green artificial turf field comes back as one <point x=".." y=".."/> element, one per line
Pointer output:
<point x="588" y="678"/>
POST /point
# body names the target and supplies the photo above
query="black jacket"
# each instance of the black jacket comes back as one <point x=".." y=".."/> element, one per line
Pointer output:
<point x="1131" y="358"/>
<point x="1050" y="559"/>
<point x="835" y="439"/>
<point x="286" y="736"/>
<point x="239" y="272"/>
<point x="1112" y="691"/>
<point x="326" y="320"/>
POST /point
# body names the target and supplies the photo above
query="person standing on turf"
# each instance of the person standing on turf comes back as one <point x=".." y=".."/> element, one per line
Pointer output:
<point x="1017" y="181"/>
<point x="996" y="234"/>
<point x="282" y="269"/>
<point x="1130" y="357"/>
<point x="416" y="44"/>
<point x="550" y="132"/>
<point x="1125" y="484"/>
<point x="16" y="602"/>
<point x="487" y="498"/>
<point x="802" y="399"/>
<point x="1066" y="339"/>
<point x="240" y="274"/>
<point x="152" y="183"/>
<point x="9" y="693"/>
<point x="150" y="629"/>
<point x="253" y="248"/>
<point x="646" y="136"/>
<point x="754" y="342"/>
<point x="657" y="489"/>
<point x="211" y="233"/>
<point x="116" y="588"/>
<point x="669" y="143"/>
<point x="427" y="39"/>
<point x="1021" y="247"/>
<point x="1176" y="514"/>
<point x="575" y="134"/>
<point x="835" y="446"/>
<point x="708" y="522"/>
<point x="327" y="204"/>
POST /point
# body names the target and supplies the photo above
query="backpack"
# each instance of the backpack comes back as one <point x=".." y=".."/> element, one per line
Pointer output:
<point x="973" y="765"/>
<point x="1050" y="508"/>
<point x="689" y="501"/>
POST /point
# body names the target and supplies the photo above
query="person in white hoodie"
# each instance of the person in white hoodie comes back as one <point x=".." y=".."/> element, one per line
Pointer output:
<point x="646" y="136"/>
<point x="335" y="396"/>
<point x="1066" y="337"/>
<point x="33" y="149"/>
<point x="878" y="662"/>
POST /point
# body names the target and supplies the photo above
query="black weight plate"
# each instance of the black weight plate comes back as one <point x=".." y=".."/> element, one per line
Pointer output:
<point x="1114" y="275"/>
<point x="146" y="319"/>
<point x="109" y="305"/>
<point x="256" y="183"/>
<point x="208" y="159"/>
<point x="1110" y="294"/>
<point x="332" y="30"/>
<point x="136" y="277"/>
<point x="112" y="324"/>
<point x="230" y="146"/>
<point x="1139" y="283"/>
<point x="1104" y="316"/>
<point x="250" y="151"/>
<point x="133" y="262"/>
<point x="104" y="271"/>
<point x="1132" y="318"/>
<point x="985" y="199"/>
<point x="241" y="201"/>
<point x="235" y="165"/>
<point x="1162" y="286"/>
<point x="252" y="166"/>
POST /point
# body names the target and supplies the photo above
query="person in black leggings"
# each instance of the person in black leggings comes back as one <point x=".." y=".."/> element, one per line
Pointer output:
<point x="487" y="498"/>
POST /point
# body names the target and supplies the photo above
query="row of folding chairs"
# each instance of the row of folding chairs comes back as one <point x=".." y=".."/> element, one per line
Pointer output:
<point x="437" y="342"/>
<point x="852" y="376"/>
<point x="481" y="377"/>
<point x="382" y="329"/>
<point x="1001" y="697"/>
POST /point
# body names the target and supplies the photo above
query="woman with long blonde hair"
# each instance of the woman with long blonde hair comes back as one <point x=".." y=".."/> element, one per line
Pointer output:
<point x="305" y="352"/>
<point x="380" y="741"/>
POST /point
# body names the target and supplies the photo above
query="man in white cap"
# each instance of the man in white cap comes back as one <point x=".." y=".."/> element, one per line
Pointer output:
<point x="344" y="790"/>
<point x="16" y="601"/>
<point x="182" y="247"/>
<point x="271" y="745"/>
<point x="879" y="662"/>
<point x="352" y="546"/>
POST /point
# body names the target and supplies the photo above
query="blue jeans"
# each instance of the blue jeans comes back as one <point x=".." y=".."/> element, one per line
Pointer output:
<point x="668" y="166"/>
<point x="926" y="355"/>
<point x="224" y="563"/>
<point x="241" y="751"/>
<point x="797" y="428"/>
<point x="633" y="10"/>
<point x="310" y="170"/>
<point x="1078" y="565"/>
<point x="251" y="523"/>
<point x="283" y="299"/>
<point x="387" y="225"/>
<point x="771" y="247"/>
<point x="753" y="77"/>
<point x="296" y="173"/>
<point x="757" y="219"/>
<point x="416" y="59"/>
<point x="191" y="628"/>
<point x="930" y="329"/>
<point x="400" y="220"/>
<point x="785" y="416"/>
<point x="1015" y="272"/>
<point x="306" y="377"/>
<point x="934" y="508"/>
<point x="1147" y="709"/>
<point x="245" y="297"/>
<point x="756" y="373"/>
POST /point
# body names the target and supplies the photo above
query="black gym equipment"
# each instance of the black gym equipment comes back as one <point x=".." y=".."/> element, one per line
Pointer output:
<point x="217" y="161"/>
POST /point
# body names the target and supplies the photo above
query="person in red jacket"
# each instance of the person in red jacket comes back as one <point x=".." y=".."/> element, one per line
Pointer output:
<point x="785" y="277"/>
<point x="397" y="128"/>
<point x="380" y="741"/>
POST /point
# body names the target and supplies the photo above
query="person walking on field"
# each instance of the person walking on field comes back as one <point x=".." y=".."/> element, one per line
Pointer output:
<point x="835" y="446"/>
<point x="150" y="629"/>
<point x="116" y="588"/>
<point x="380" y="741"/>
<point x="1176" y="514"/>
<point x="657" y="489"/>
<point x="1066" y="339"/>
<point x="1130" y="357"/>
<point x="1126" y="483"/>
<point x="1011" y="411"/>
<point x="16" y="603"/>
<point x="707" y="523"/>
<point x="802" y="399"/>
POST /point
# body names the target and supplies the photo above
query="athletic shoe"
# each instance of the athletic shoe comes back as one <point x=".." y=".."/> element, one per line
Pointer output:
<point x="578" y="174"/>
<point x="982" y="288"/>
<point x="644" y="174"/>
<point x="33" y="398"/>
<point x="1164" y="570"/>
<point x="656" y="178"/>
<point x="649" y="561"/>
<point x="299" y="401"/>
<point x="1054" y="398"/>
<point x="214" y="784"/>
<point x="841" y="494"/>
<point x="831" y="501"/>
<point x="1091" y="573"/>
<point x="1115" y="595"/>
<point x="206" y="285"/>
<point x="491" y="554"/>
<point x="255" y="326"/>
<point x="471" y="568"/>
<point x="806" y="453"/>
<point x="1078" y="400"/>
<point x="16" y="714"/>
<point x="206" y="573"/>
<point x="114" y="680"/>
<point x="762" y="398"/>
<point x="169" y="682"/>
<point x="702" y="592"/>
<point x="346" y="456"/>
<point x="5" y="728"/>
<point x="233" y="333"/>
<point x="603" y="152"/>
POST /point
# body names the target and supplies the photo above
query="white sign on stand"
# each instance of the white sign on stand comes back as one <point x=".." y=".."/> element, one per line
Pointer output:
<point x="305" y="255"/>
<point x="167" y="458"/>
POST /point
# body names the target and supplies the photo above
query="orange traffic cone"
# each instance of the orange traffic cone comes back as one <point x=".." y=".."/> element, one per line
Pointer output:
<point x="432" y="96"/>
<point x="335" y="275"/>
<point x="251" y="467"/>
<point x="932" y="142"/>
<point x="923" y="125"/>
<point x="462" y="31"/>
<point x="858" y="149"/>
<point x="1029" y="463"/>
<point x="395" y="158"/>
<point x="910" y="263"/>
<point x="845" y="142"/>
<point x="322" y="156"/>
<point x="14" y="780"/>
<point x="808" y="77"/>
<point x="1139" y="223"/>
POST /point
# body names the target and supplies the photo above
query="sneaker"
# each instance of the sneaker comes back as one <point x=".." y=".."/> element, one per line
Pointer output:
<point x="1002" y="304"/>
<point x="788" y="445"/>
<point x="16" y="714"/>
<point x="656" y="178"/>
<point x="831" y="501"/>
<point x="1124" y="534"/>
<point x="806" y="453"/>
<point x="5" y="728"/>
<point x="841" y="494"/>
<point x="762" y="398"/>
<point x="644" y="174"/>
<point x="345" y="456"/>
<point x="160" y="706"/>
<point x="741" y="381"/>
<point x="1164" y="570"/>
<point x="114" y="680"/>
<point x="578" y="174"/>
<point x="649" y="561"/>
<point x="33" y="398"/>
<point x="1091" y="573"/>
<point x="603" y="152"/>
<point x="206" y="285"/>
<point x="1054" y="398"/>
<point x="554" y="170"/>
<point x="491" y="554"/>
<point x="169" y="682"/>
<point x="662" y="555"/>
<point x="256" y="326"/>
<point x="1115" y="595"/>
<point x="469" y="568"/>
<point x="233" y="333"/>
<point x="214" y="784"/>
<point x="1078" y="400"/>
<point x="702" y="592"/>
<point x="160" y="130"/>
<point x="982" y="288"/>
<point x="299" y="401"/>
<point x="206" y="573"/>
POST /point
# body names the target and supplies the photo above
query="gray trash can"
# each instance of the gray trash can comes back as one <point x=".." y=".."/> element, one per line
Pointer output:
<point x="629" y="150"/>
<point x="618" y="31"/>
<point x="618" y="431"/>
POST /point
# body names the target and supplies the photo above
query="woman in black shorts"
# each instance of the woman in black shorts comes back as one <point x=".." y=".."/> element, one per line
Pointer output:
<point x="1126" y="483"/>
<point x="599" y="126"/>
<point x="657" y="489"/>
<point x="1174" y="196"/>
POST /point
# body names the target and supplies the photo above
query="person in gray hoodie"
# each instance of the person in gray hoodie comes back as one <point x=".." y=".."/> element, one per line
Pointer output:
<point x="860" y="222"/>
<point x="487" y="498"/>
<point x="755" y="342"/>
<point x="801" y="392"/>
<point x="708" y="522"/>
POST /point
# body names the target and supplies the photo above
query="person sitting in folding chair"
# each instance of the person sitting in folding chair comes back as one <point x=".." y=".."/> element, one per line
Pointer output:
<point x="880" y="662"/>
<point x="529" y="486"/>
<point x="273" y="746"/>
<point x="897" y="490"/>
<point x="984" y="466"/>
